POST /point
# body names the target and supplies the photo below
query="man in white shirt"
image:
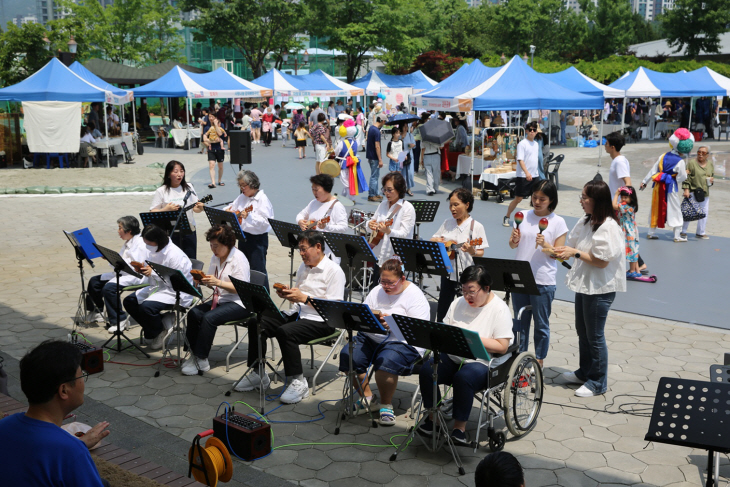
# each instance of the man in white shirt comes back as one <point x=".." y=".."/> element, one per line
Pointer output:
<point x="112" y="120"/>
<point x="620" y="172"/>
<point x="317" y="277"/>
<point x="527" y="171"/>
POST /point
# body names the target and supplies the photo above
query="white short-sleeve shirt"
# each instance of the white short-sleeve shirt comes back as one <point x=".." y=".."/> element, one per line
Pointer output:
<point x="528" y="152"/>
<point x="450" y="230"/>
<point x="411" y="302"/>
<point x="164" y="195"/>
<point x="236" y="265"/>
<point x="543" y="267"/>
<point x="619" y="169"/>
<point x="607" y="243"/>
<point x="403" y="224"/>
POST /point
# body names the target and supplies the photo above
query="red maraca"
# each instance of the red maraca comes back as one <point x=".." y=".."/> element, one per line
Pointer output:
<point x="518" y="219"/>
<point x="542" y="225"/>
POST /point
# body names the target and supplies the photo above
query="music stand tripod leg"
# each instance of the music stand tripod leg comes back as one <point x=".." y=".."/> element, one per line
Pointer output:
<point x="118" y="333"/>
<point x="347" y="406"/>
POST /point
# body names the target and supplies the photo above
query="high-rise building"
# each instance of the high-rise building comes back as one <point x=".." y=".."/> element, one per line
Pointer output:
<point x="575" y="5"/>
<point x="24" y="19"/>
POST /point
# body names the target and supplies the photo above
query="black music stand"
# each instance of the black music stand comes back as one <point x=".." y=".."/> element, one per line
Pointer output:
<point x="509" y="276"/>
<point x="83" y="244"/>
<point x="222" y="217"/>
<point x="425" y="213"/>
<point x="439" y="338"/>
<point x="422" y="256"/>
<point x="694" y="414"/>
<point x="120" y="265"/>
<point x="256" y="299"/>
<point x="167" y="220"/>
<point x="349" y="316"/>
<point x="179" y="284"/>
<point x="354" y="250"/>
<point x="288" y="236"/>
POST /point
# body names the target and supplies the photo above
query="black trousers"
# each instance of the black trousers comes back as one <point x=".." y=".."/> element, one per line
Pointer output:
<point x="204" y="322"/>
<point x="255" y="249"/>
<point x="290" y="333"/>
<point x="267" y="138"/>
<point x="187" y="243"/>
<point x="416" y="155"/>
<point x="147" y="314"/>
<point x="446" y="297"/>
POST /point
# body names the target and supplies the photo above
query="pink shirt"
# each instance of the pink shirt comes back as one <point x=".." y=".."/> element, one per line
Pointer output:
<point x="256" y="114"/>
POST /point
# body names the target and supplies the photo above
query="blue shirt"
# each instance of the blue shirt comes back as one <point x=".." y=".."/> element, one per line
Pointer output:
<point x="373" y="136"/>
<point x="41" y="454"/>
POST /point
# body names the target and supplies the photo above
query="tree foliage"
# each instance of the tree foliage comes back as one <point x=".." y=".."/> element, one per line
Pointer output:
<point x="255" y="28"/>
<point x="696" y="25"/>
<point x="437" y="65"/>
<point x="22" y="52"/>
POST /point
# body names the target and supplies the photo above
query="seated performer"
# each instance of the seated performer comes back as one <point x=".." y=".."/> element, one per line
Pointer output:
<point x="317" y="277"/>
<point x="103" y="288"/>
<point x="225" y="306"/>
<point x="146" y="304"/>
<point x="324" y="204"/>
<point x="395" y="208"/>
<point x="171" y="196"/>
<point x="390" y="355"/>
<point x="462" y="229"/>
<point x="34" y="450"/>
<point x="482" y="311"/>
<point x="254" y="223"/>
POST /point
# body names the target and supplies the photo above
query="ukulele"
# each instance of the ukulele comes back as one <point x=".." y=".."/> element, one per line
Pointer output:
<point x="203" y="200"/>
<point x="314" y="223"/>
<point x="376" y="237"/>
<point x="247" y="210"/>
<point x="449" y="244"/>
<point x="137" y="265"/>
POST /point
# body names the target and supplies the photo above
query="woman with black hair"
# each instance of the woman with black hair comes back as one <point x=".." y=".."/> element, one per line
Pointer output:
<point x="529" y="241"/>
<point x="171" y="196"/>
<point x="103" y="288"/>
<point x="481" y="311"/>
<point x="146" y="304"/>
<point x="225" y="306"/>
<point x="324" y="205"/>
<point x="597" y="243"/>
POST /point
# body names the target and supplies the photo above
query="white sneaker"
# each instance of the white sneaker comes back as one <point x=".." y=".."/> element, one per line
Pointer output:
<point x="583" y="391"/>
<point x="168" y="320"/>
<point x="97" y="317"/>
<point x="252" y="381"/>
<point x="680" y="239"/>
<point x="195" y="364"/>
<point x="297" y="390"/>
<point x="157" y="342"/>
<point x="571" y="378"/>
<point x="122" y="326"/>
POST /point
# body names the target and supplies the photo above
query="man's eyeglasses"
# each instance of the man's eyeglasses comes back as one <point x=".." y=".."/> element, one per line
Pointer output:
<point x="84" y="375"/>
<point x="304" y="249"/>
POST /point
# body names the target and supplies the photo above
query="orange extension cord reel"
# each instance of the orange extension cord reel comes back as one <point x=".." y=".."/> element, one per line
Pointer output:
<point x="213" y="461"/>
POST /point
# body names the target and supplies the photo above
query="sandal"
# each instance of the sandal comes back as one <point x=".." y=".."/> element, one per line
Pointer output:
<point x="211" y="185"/>
<point x="221" y="183"/>
<point x="387" y="416"/>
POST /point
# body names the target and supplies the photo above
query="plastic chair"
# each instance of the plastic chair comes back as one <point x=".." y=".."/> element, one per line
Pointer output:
<point x="339" y="337"/>
<point x="553" y="174"/>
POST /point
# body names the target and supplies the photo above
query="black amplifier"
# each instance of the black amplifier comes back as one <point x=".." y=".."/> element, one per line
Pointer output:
<point x="247" y="437"/>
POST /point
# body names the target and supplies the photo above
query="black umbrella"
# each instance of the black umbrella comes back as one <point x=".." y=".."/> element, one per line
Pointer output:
<point x="436" y="131"/>
<point x="402" y="118"/>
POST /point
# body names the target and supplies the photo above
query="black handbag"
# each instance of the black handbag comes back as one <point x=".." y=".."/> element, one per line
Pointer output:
<point x="407" y="161"/>
<point x="699" y="195"/>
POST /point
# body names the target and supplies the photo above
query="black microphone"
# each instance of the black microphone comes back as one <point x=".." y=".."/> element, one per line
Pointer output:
<point x="185" y="200"/>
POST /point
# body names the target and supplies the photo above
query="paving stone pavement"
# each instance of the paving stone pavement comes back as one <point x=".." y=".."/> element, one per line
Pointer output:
<point x="577" y="441"/>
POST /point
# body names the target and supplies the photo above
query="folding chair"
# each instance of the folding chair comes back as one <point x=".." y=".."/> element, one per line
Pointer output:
<point x="553" y="174"/>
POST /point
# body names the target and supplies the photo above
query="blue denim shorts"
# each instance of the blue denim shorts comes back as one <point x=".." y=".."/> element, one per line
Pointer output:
<point x="393" y="357"/>
<point x="256" y="125"/>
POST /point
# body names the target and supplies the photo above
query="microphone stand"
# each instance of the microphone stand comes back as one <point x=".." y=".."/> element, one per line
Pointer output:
<point x="180" y="214"/>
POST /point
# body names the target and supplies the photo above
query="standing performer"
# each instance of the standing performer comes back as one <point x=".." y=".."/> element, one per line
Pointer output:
<point x="351" y="173"/>
<point x="461" y="229"/>
<point x="174" y="193"/>
<point x="254" y="223"/>
<point x="668" y="174"/>
<point x="324" y="205"/>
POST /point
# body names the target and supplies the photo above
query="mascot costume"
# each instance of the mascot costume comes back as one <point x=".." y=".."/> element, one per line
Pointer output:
<point x="351" y="173"/>
<point x="667" y="175"/>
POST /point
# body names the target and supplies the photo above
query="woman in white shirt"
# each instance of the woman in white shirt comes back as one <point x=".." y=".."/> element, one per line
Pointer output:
<point x="395" y="208"/>
<point x="324" y="204"/>
<point x="171" y="196"/>
<point x="103" y="288"/>
<point x="462" y="229"/>
<point x="254" y="223"/>
<point x="529" y="242"/>
<point x="597" y="243"/>
<point x="483" y="312"/>
<point x="390" y="355"/>
<point x="225" y="305"/>
<point x="146" y="304"/>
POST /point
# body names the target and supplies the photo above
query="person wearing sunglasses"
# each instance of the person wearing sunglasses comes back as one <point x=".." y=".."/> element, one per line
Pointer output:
<point x="34" y="449"/>
<point x="317" y="277"/>
<point x="527" y="169"/>
<point x="390" y="354"/>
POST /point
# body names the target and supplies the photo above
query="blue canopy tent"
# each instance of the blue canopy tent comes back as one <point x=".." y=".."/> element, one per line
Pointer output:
<point x="56" y="82"/>
<point x="281" y="83"/>
<point x="119" y="96"/>
<point x="320" y="83"/>
<point x="466" y="77"/>
<point x="229" y="85"/>
<point x="573" y="79"/>
<point x="375" y="82"/>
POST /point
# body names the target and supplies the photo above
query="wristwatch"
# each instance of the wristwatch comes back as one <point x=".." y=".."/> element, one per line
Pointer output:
<point x="577" y="255"/>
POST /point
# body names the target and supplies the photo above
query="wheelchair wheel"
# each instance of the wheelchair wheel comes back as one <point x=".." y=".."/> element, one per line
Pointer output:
<point x="523" y="394"/>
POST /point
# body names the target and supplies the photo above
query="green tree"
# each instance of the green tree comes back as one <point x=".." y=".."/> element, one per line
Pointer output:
<point x="22" y="52"/>
<point x="255" y="28"/>
<point x="696" y="25"/>
<point x="610" y="27"/>
<point x="358" y="26"/>
<point x="161" y="40"/>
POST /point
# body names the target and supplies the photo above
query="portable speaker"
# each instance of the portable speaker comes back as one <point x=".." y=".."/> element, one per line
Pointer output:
<point x="244" y="436"/>
<point x="93" y="358"/>
<point x="240" y="145"/>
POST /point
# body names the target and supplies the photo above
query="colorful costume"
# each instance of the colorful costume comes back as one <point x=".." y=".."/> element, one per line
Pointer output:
<point x="351" y="174"/>
<point x="628" y="224"/>
<point x="667" y="174"/>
